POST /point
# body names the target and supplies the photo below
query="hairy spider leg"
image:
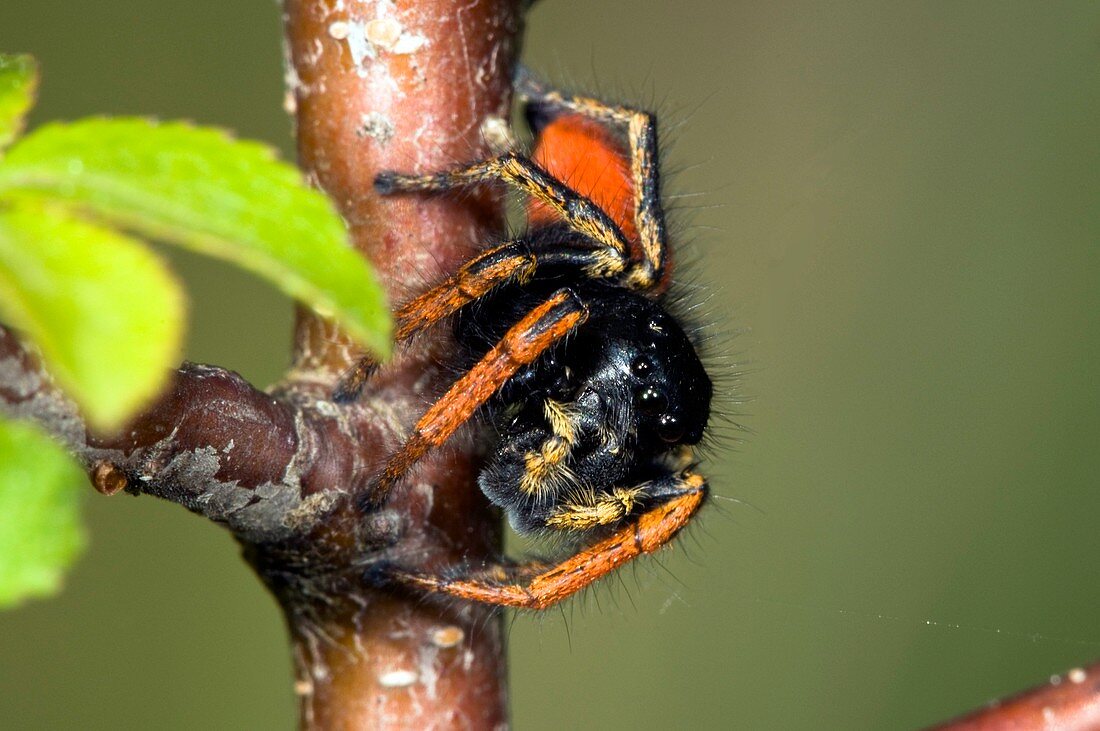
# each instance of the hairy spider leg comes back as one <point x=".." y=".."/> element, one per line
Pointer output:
<point x="354" y="378"/>
<point x="609" y="258"/>
<point x="513" y="260"/>
<point x="641" y="130"/>
<point x="580" y="213"/>
<point x="475" y="279"/>
<point x="576" y="209"/>
<point x="535" y="585"/>
<point x="583" y="215"/>
<point x="524" y="342"/>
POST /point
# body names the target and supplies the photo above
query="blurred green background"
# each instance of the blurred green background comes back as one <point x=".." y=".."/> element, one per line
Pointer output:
<point x="900" y="201"/>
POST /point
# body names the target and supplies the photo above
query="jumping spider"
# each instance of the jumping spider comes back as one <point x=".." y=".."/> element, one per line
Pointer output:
<point x="596" y="391"/>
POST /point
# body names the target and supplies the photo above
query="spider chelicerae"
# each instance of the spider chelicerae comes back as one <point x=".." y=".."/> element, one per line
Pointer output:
<point x="596" y="391"/>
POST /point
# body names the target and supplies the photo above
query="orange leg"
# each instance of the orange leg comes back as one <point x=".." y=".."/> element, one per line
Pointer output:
<point x="488" y="270"/>
<point x="477" y="278"/>
<point x="540" y="587"/>
<point x="578" y="211"/>
<point x="520" y="346"/>
<point x="641" y="130"/>
<point x="474" y="280"/>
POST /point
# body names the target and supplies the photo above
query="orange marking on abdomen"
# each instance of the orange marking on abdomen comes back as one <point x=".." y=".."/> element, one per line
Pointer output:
<point x="588" y="158"/>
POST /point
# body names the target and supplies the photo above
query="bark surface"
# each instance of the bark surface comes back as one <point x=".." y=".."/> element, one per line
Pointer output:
<point x="373" y="85"/>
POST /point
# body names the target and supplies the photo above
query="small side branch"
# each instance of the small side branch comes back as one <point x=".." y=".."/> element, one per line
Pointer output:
<point x="1069" y="702"/>
<point x="266" y="467"/>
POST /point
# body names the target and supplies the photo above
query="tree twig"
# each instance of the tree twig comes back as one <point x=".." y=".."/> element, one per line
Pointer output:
<point x="1069" y="702"/>
<point x="375" y="85"/>
<point x="408" y="87"/>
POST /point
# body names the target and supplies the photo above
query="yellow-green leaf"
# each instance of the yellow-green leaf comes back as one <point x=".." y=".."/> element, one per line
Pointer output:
<point x="198" y="188"/>
<point x="18" y="79"/>
<point x="40" y="531"/>
<point x="106" y="313"/>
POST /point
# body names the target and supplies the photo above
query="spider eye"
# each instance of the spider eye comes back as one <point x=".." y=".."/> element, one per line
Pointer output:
<point x="642" y="366"/>
<point x="651" y="401"/>
<point x="670" y="428"/>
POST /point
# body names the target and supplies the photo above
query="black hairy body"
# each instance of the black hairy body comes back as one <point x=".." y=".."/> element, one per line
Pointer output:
<point x="629" y="377"/>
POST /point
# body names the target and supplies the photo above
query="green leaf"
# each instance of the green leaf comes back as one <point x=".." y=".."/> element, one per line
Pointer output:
<point x="106" y="313"/>
<point x="200" y="189"/>
<point x="18" y="80"/>
<point x="40" y="532"/>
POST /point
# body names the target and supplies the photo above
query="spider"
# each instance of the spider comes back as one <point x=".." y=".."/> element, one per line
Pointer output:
<point x="596" y="391"/>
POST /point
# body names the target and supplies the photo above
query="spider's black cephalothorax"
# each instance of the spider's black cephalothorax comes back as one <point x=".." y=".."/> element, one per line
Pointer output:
<point x="617" y="398"/>
<point x="595" y="391"/>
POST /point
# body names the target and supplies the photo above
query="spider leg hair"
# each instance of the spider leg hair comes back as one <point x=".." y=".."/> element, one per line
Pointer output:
<point x="354" y="378"/>
<point x="512" y="260"/>
<point x="476" y="278"/>
<point x="543" y="326"/>
<point x="537" y="585"/>
<point x="641" y="132"/>
<point x="576" y="210"/>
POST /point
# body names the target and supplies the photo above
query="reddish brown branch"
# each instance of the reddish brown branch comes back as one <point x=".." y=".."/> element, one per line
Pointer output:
<point x="1069" y="702"/>
<point x="212" y="443"/>
<point x="375" y="84"/>
<point x="406" y="85"/>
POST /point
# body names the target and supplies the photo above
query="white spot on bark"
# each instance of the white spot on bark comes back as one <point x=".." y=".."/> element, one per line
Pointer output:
<point x="429" y="669"/>
<point x="389" y="35"/>
<point x="397" y="679"/>
<point x="311" y="510"/>
<point x="361" y="49"/>
<point x="447" y="637"/>
<point x="409" y="43"/>
<point x="497" y="134"/>
<point x="339" y="29"/>
<point x="427" y="493"/>
<point x="383" y="32"/>
<point x="377" y="126"/>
